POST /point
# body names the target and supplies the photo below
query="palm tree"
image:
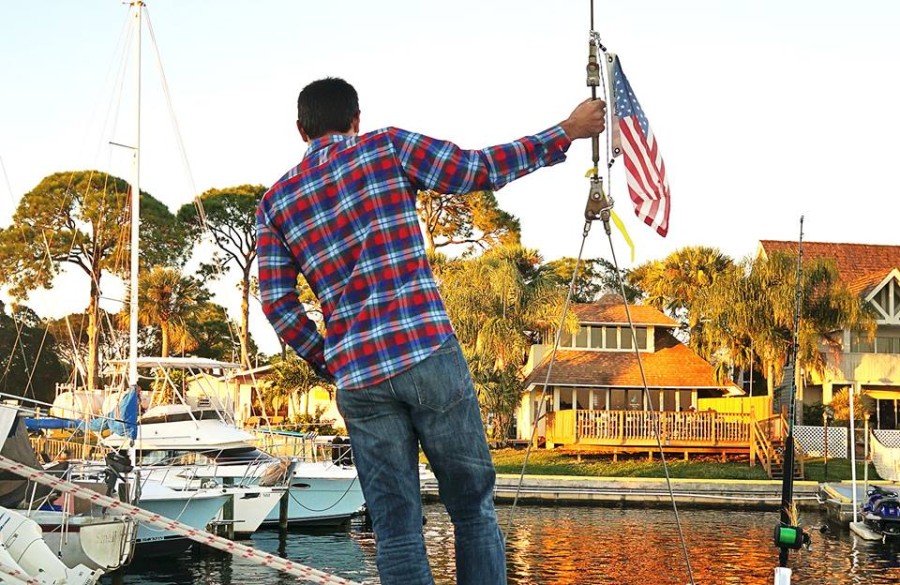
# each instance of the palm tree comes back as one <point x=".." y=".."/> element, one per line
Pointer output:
<point x="672" y="284"/>
<point x="756" y="305"/>
<point x="500" y="303"/>
<point x="293" y="378"/>
<point x="167" y="300"/>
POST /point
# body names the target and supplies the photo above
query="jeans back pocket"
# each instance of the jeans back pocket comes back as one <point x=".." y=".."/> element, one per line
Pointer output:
<point x="441" y="380"/>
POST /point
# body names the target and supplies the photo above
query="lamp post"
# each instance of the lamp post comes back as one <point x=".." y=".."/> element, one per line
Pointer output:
<point x="827" y="415"/>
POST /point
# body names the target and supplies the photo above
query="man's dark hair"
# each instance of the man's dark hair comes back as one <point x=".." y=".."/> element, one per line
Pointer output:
<point x="327" y="105"/>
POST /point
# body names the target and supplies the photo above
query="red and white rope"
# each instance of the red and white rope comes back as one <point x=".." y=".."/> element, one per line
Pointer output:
<point x="16" y="576"/>
<point x="245" y="552"/>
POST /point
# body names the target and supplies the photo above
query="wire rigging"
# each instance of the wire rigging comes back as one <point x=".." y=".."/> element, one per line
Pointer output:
<point x="599" y="206"/>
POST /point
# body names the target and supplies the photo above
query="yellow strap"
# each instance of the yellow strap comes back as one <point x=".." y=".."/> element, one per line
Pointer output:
<point x="624" y="232"/>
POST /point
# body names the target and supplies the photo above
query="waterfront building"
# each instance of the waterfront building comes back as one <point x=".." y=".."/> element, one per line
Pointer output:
<point x="595" y="398"/>
<point x="869" y="365"/>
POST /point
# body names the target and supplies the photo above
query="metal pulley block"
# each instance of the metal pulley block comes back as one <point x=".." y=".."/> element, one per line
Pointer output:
<point x="599" y="203"/>
<point x="593" y="67"/>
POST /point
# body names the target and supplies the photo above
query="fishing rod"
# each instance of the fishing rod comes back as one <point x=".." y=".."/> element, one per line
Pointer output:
<point x="789" y="535"/>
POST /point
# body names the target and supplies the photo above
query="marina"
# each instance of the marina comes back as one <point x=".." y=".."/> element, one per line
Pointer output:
<point x="156" y="430"/>
<point x="568" y="545"/>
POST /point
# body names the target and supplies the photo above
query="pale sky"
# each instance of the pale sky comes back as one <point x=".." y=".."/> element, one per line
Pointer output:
<point x="763" y="110"/>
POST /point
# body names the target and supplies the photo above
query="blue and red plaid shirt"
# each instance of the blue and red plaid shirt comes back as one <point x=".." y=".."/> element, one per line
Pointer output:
<point x="345" y="218"/>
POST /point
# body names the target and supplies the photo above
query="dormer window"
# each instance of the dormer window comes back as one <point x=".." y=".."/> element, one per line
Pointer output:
<point x="604" y="337"/>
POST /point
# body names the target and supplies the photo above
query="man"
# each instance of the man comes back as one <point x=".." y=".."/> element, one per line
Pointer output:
<point x="345" y="218"/>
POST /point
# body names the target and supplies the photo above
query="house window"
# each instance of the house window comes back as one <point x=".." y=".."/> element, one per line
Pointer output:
<point x="669" y="399"/>
<point x="617" y="399"/>
<point x="887" y="344"/>
<point x="625" y="338"/>
<point x="600" y="397"/>
<point x="640" y="333"/>
<point x="685" y="400"/>
<point x="635" y="400"/>
<point x="596" y="337"/>
<point x="612" y="337"/>
<point x="565" y="398"/>
<point x="860" y="343"/>
<point x="657" y="400"/>
<point x="605" y="337"/>
<point x="581" y="338"/>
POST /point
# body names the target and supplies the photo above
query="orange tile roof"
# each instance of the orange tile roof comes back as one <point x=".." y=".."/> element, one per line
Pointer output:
<point x="672" y="365"/>
<point x="853" y="261"/>
<point x="611" y="309"/>
<point x="864" y="284"/>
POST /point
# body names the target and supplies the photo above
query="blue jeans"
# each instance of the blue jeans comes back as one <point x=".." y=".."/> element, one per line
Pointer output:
<point x="432" y="404"/>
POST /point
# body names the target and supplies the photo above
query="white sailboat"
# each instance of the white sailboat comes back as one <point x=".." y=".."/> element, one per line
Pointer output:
<point x="76" y="536"/>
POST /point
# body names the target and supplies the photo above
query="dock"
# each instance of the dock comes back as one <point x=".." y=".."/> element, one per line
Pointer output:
<point x="648" y="492"/>
<point x="838" y="499"/>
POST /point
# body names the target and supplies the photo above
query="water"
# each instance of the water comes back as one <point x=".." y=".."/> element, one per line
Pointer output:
<point x="562" y="545"/>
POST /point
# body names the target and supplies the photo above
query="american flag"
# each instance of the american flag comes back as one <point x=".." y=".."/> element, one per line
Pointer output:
<point x="644" y="167"/>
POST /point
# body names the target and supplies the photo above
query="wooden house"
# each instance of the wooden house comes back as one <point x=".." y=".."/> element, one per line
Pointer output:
<point x="596" y="401"/>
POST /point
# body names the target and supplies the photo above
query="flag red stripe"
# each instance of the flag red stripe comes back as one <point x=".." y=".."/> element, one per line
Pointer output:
<point x="646" y="176"/>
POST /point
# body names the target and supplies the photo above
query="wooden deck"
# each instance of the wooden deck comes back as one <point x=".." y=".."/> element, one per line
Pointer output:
<point x="628" y="431"/>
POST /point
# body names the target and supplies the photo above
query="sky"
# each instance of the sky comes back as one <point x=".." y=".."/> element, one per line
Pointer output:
<point x="763" y="110"/>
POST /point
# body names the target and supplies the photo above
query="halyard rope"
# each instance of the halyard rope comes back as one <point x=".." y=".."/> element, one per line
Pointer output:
<point x="238" y="550"/>
<point x="16" y="576"/>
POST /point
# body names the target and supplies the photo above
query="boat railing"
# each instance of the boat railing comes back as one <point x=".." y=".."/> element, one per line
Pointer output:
<point x="303" y="446"/>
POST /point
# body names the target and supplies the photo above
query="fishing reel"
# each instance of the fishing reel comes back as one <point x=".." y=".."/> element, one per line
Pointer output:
<point x="791" y="537"/>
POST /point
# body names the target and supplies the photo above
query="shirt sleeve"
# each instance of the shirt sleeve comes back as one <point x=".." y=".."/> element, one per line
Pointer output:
<point x="447" y="168"/>
<point x="278" y="294"/>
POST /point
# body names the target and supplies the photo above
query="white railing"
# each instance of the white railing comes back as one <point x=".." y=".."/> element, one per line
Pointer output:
<point x="568" y="426"/>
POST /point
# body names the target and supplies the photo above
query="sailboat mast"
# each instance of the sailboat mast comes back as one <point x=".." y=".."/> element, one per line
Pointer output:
<point x="137" y="7"/>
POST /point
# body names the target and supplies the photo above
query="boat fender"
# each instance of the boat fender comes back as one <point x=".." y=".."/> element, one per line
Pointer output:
<point x="275" y="474"/>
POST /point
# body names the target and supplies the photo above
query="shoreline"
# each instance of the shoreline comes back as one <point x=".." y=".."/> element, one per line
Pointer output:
<point x="646" y="492"/>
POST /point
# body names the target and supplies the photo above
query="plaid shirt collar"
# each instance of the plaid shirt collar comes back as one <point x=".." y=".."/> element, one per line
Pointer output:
<point x="317" y="144"/>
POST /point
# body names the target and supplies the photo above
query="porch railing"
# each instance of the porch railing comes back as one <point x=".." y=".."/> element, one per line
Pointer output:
<point x="622" y="426"/>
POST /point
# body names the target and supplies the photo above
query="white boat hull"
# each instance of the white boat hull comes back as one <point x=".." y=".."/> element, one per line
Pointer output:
<point x="196" y="509"/>
<point x="97" y="543"/>
<point x="321" y="493"/>
<point x="22" y="540"/>
<point x="252" y="505"/>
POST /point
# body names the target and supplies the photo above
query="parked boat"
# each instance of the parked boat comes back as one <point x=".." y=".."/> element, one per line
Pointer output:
<point x="200" y="433"/>
<point x="197" y="509"/>
<point x="23" y="542"/>
<point x="104" y="543"/>
<point x="881" y="512"/>
<point x="76" y="535"/>
<point x="250" y="503"/>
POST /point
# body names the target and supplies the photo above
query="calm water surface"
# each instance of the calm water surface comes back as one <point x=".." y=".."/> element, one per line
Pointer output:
<point x="560" y="545"/>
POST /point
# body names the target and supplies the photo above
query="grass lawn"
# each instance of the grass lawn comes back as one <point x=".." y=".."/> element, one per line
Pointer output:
<point x="544" y="462"/>
<point x="838" y="469"/>
<point x="548" y="462"/>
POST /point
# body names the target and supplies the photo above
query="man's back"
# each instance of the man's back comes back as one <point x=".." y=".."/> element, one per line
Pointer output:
<point x="346" y="219"/>
<point x="348" y="213"/>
